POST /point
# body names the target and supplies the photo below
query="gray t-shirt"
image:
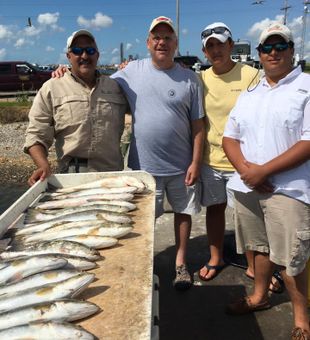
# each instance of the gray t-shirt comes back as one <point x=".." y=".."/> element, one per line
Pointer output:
<point x="163" y="104"/>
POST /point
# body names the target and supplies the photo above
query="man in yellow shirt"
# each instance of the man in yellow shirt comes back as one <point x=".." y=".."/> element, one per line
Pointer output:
<point x="223" y="83"/>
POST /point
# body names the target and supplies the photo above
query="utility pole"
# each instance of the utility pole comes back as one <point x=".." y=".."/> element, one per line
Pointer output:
<point x="304" y="25"/>
<point x="285" y="8"/>
<point x="177" y="21"/>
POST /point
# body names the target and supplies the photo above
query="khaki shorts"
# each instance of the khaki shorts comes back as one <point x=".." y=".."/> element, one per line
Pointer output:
<point x="183" y="199"/>
<point x="274" y="224"/>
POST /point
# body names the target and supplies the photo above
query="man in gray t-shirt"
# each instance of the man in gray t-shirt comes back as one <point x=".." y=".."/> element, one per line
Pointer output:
<point x="168" y="131"/>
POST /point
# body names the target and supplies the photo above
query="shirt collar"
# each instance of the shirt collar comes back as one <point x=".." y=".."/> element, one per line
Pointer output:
<point x="288" y="78"/>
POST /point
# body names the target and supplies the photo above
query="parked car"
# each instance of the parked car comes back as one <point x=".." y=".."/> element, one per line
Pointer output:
<point x="192" y="62"/>
<point x="21" y="75"/>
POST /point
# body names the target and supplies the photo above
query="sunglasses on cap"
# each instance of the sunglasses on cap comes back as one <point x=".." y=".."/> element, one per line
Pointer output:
<point x="217" y="30"/>
<point x="81" y="50"/>
<point x="279" y="47"/>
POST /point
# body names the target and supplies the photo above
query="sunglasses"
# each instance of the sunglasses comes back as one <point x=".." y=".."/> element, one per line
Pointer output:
<point x="81" y="50"/>
<point x="217" y="30"/>
<point x="279" y="47"/>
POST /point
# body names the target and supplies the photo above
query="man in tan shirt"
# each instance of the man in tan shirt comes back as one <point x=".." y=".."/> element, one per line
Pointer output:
<point x="83" y="111"/>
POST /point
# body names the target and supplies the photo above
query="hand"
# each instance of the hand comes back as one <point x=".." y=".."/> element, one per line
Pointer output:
<point x="59" y="72"/>
<point x="39" y="174"/>
<point x="253" y="175"/>
<point x="123" y="64"/>
<point x="192" y="174"/>
<point x="264" y="188"/>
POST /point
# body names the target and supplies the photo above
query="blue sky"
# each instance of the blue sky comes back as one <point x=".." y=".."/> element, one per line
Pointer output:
<point x="127" y="21"/>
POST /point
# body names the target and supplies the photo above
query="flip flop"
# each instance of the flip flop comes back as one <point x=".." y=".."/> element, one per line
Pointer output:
<point x="277" y="276"/>
<point x="217" y="269"/>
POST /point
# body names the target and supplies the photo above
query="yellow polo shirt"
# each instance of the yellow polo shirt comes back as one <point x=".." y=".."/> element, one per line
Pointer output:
<point x="220" y="95"/>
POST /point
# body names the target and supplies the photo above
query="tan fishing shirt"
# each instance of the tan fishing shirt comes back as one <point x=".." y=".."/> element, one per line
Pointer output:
<point x="85" y="123"/>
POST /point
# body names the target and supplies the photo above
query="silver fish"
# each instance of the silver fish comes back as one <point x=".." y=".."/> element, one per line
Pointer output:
<point x="108" y="182"/>
<point x="20" y="268"/>
<point x="49" y="226"/>
<point x="96" y="191"/>
<point x="35" y="215"/>
<point x="68" y="288"/>
<point x="85" y="200"/>
<point x="55" y="235"/>
<point x="53" y="247"/>
<point x="38" y="280"/>
<point x="94" y="241"/>
<point x="82" y="216"/>
<point x="46" y="330"/>
<point x="60" y="310"/>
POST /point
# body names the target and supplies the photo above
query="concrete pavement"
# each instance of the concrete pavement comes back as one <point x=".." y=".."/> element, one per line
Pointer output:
<point x="199" y="312"/>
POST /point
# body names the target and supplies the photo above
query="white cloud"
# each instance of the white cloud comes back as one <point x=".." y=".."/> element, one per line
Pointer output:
<point x="184" y="31"/>
<point x="2" y="53"/>
<point x="5" y="33"/>
<point x="114" y="60"/>
<point x="32" y="31"/>
<point x="49" y="49"/>
<point x="128" y="46"/>
<point x="115" y="50"/>
<point x="20" y="42"/>
<point x="100" y="21"/>
<point x="137" y="41"/>
<point x="48" y="19"/>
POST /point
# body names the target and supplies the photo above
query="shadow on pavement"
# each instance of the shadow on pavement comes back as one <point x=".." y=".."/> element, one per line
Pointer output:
<point x="199" y="313"/>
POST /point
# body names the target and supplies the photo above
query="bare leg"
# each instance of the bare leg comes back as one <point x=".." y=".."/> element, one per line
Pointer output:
<point x="250" y="260"/>
<point x="215" y="221"/>
<point x="297" y="289"/>
<point x="263" y="269"/>
<point x="182" y="230"/>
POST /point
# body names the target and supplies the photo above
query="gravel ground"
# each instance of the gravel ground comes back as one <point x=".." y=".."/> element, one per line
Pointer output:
<point x="15" y="165"/>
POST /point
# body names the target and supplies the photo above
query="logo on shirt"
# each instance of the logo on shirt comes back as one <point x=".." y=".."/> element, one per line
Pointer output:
<point x="171" y="93"/>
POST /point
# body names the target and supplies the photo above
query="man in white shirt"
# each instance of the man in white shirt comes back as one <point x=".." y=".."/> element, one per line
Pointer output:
<point x="267" y="139"/>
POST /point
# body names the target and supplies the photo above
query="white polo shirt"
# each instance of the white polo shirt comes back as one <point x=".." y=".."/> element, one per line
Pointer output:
<point x="268" y="121"/>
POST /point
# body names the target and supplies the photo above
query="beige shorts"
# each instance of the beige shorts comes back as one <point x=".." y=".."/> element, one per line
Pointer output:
<point x="274" y="224"/>
<point x="183" y="199"/>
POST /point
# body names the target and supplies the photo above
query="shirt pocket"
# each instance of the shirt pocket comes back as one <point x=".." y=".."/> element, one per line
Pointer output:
<point x="289" y="113"/>
<point x="112" y="106"/>
<point x="71" y="110"/>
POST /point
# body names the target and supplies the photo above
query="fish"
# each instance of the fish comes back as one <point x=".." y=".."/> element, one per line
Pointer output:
<point x="49" y="226"/>
<point x="94" y="214"/>
<point x="108" y="182"/>
<point x="54" y="247"/>
<point x="94" y="241"/>
<point x="68" y="288"/>
<point x="65" y="310"/>
<point x="39" y="279"/>
<point x="116" y="232"/>
<point x="35" y="215"/>
<point x="20" y="268"/>
<point x="46" y="330"/>
<point x="85" y="200"/>
<point x="87" y="192"/>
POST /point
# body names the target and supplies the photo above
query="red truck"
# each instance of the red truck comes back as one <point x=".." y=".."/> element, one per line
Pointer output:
<point x="21" y="75"/>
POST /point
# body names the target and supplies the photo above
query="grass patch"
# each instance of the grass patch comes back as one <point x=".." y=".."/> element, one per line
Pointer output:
<point x="13" y="113"/>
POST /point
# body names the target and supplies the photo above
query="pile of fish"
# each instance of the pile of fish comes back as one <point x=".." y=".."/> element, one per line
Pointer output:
<point x="44" y="268"/>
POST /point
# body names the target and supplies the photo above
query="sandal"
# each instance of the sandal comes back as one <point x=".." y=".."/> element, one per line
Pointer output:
<point x="217" y="269"/>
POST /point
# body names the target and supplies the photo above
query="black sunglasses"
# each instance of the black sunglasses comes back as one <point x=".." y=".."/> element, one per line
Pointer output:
<point x="81" y="50"/>
<point x="279" y="47"/>
<point x="217" y="30"/>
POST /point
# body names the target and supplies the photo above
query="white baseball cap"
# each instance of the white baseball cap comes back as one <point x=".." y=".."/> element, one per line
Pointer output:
<point x="217" y="30"/>
<point x="276" y="29"/>
<point x="161" y="20"/>
<point x="76" y="34"/>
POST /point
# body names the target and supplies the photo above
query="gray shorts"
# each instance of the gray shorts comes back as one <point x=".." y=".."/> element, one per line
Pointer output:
<point x="183" y="199"/>
<point x="274" y="224"/>
<point x="213" y="188"/>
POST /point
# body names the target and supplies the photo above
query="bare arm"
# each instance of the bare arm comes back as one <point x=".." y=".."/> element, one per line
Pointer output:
<point x="38" y="154"/>
<point x="198" y="133"/>
<point x="234" y="154"/>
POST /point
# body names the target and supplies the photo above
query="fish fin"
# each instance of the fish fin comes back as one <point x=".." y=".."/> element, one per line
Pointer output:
<point x="32" y="216"/>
